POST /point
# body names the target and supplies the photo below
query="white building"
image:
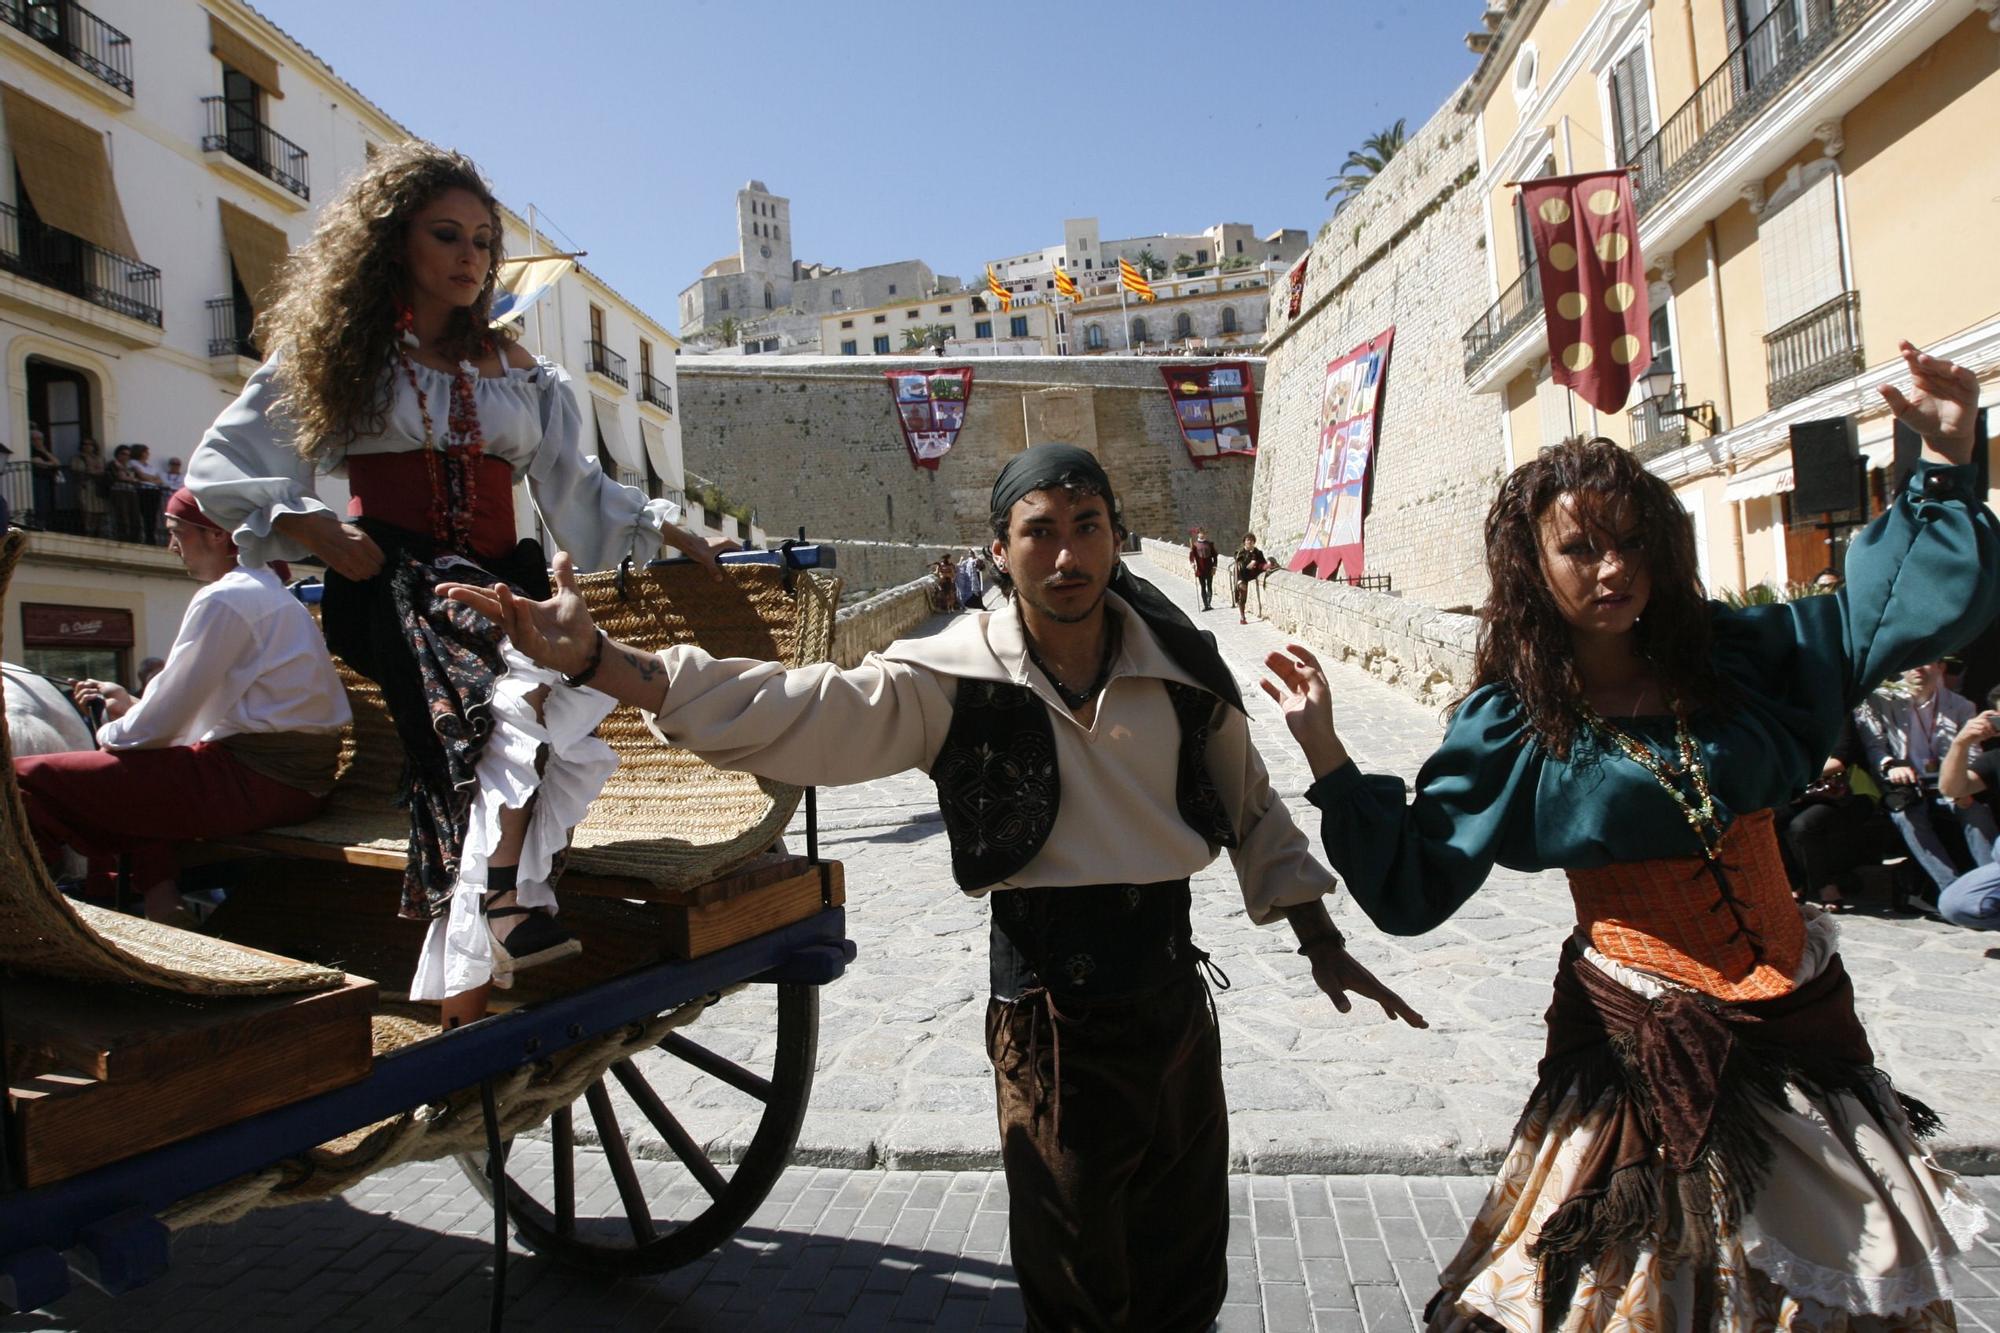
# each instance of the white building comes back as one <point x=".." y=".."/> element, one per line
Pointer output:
<point x="165" y="155"/>
<point x="1213" y="313"/>
<point x="967" y="320"/>
<point x="1087" y="258"/>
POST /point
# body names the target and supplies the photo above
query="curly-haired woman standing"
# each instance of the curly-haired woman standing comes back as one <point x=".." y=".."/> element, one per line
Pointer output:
<point x="386" y="370"/>
<point x="1709" y="1144"/>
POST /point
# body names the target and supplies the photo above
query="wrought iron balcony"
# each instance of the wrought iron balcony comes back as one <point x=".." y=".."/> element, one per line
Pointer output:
<point x="67" y="263"/>
<point x="75" y="34"/>
<point x="233" y="128"/>
<point x="229" y="325"/>
<point x="1820" y="347"/>
<point x="83" y="504"/>
<point x="1658" y="427"/>
<point x="601" y="360"/>
<point x="1515" y="310"/>
<point x="654" y="390"/>
<point x="1768" y="60"/>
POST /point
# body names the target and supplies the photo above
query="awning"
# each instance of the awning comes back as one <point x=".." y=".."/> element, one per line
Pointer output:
<point x="244" y="56"/>
<point x="666" y="465"/>
<point x="258" y="250"/>
<point x="611" y="428"/>
<point x="67" y="173"/>
<point x="1773" y="478"/>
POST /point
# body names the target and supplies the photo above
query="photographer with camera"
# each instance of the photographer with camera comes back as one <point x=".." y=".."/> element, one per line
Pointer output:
<point x="1906" y="736"/>
<point x="1973" y="899"/>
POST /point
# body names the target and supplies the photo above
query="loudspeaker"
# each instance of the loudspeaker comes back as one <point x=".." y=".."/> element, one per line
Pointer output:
<point x="1826" y="467"/>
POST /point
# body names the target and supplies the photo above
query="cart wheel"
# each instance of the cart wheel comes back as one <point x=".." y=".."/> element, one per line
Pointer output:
<point x="642" y="1235"/>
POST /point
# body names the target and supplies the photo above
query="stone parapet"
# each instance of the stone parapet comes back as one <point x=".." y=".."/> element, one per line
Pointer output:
<point x="1418" y="648"/>
<point x="878" y="621"/>
<point x="869" y="566"/>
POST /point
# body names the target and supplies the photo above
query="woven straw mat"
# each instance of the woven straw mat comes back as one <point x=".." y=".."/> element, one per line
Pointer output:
<point x="665" y="816"/>
<point x="43" y="932"/>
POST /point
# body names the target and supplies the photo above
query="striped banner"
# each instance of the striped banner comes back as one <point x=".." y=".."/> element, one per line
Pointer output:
<point x="1132" y="280"/>
<point x="1066" y="285"/>
<point x="999" y="293"/>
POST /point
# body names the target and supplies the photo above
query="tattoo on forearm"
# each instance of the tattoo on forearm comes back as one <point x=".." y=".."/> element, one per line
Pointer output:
<point x="647" y="665"/>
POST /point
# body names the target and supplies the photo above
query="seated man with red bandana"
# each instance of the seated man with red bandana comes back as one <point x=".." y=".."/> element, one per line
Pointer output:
<point x="239" y="731"/>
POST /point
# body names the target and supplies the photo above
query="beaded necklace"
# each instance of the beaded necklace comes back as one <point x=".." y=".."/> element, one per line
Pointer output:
<point x="453" y="466"/>
<point x="1076" y="699"/>
<point x="1699" y="813"/>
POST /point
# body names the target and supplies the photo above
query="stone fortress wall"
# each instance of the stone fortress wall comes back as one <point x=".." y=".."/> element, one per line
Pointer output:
<point x="1405" y="253"/>
<point x="814" y="442"/>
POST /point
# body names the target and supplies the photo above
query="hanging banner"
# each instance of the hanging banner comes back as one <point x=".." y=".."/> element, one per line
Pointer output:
<point x="1216" y="405"/>
<point x="1296" y="289"/>
<point x="930" y="407"/>
<point x="1593" y="283"/>
<point x="1350" y="409"/>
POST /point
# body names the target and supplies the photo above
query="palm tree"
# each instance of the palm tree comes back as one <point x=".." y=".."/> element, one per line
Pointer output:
<point x="1150" y="264"/>
<point x="724" y="331"/>
<point x="1365" y="163"/>
<point x="923" y="336"/>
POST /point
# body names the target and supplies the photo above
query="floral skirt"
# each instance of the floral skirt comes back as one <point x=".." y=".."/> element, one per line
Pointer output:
<point x="1849" y="1230"/>
<point x="483" y="730"/>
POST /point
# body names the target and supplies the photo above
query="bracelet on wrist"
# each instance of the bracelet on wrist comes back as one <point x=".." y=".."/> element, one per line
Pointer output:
<point x="584" y="676"/>
<point x="1332" y="936"/>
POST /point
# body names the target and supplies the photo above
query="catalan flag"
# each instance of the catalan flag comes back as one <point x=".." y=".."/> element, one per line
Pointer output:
<point x="1000" y="294"/>
<point x="1132" y="280"/>
<point x="1066" y="285"/>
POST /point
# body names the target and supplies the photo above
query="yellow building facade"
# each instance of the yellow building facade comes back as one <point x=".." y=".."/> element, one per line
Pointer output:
<point x="1816" y="181"/>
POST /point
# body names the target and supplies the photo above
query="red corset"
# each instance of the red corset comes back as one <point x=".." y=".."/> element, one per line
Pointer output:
<point x="396" y="489"/>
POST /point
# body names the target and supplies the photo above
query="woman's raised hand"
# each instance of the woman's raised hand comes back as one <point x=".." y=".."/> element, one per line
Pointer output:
<point x="1307" y="705"/>
<point x="558" y="633"/>
<point x="697" y="547"/>
<point x="1942" y="406"/>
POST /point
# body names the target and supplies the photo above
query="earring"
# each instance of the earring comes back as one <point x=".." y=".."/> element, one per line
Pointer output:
<point x="406" y="319"/>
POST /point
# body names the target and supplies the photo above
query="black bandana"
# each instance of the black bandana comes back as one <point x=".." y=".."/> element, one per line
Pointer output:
<point x="1192" y="648"/>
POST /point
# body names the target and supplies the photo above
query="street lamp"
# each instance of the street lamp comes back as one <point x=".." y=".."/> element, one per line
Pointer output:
<point x="1658" y="389"/>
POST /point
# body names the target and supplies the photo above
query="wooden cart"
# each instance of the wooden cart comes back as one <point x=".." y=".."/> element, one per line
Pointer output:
<point x="159" y="1079"/>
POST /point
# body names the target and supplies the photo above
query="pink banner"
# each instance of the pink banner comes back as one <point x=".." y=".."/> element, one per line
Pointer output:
<point x="930" y="409"/>
<point x="1350" y="408"/>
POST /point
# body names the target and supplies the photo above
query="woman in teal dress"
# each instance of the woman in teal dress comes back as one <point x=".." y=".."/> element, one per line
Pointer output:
<point x="1709" y="1143"/>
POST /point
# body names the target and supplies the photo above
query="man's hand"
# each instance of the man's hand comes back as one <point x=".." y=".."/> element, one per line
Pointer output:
<point x="1980" y="730"/>
<point x="117" y="700"/>
<point x="1335" y="972"/>
<point x="1903" y="775"/>
<point x="1307" y="704"/>
<point x="1945" y="407"/>
<point x="342" y="547"/>
<point x="558" y="634"/>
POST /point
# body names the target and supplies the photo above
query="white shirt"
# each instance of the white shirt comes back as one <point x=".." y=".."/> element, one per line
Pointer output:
<point x="1119" y="819"/>
<point x="248" y="658"/>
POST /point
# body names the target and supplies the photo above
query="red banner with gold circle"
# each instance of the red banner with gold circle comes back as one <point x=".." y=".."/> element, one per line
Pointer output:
<point x="1593" y="283"/>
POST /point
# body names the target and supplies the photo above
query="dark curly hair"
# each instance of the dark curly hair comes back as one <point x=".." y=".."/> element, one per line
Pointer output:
<point x="1524" y="642"/>
<point x="334" y="313"/>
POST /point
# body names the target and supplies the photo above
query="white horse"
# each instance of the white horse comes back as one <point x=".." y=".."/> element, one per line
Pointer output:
<point x="40" y="717"/>
<point x="42" y="720"/>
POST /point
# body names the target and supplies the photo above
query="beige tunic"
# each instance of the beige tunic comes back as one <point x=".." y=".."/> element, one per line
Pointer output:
<point x="1118" y="822"/>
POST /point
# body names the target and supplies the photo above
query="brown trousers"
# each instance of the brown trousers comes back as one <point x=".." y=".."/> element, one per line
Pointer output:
<point x="1115" y="1140"/>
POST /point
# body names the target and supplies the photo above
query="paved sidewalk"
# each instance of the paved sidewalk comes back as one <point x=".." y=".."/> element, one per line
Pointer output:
<point x="903" y="1081"/>
<point x="867" y="1251"/>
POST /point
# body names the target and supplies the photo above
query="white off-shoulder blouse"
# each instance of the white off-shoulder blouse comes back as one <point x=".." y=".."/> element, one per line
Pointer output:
<point x="246" y="473"/>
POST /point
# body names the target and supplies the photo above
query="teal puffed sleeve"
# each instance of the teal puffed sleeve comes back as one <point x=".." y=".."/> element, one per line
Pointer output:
<point x="1411" y="865"/>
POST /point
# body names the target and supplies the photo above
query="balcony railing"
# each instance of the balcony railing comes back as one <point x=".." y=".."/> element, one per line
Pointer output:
<point x="75" y="34"/>
<point x="1820" y="347"/>
<point x="653" y="390"/>
<point x="229" y="326"/>
<point x="71" y="264"/>
<point x="233" y="128"/>
<point x="1657" y="427"/>
<point x="1768" y="59"/>
<point x="59" y="499"/>
<point x="601" y="360"/>
<point x="1514" y="311"/>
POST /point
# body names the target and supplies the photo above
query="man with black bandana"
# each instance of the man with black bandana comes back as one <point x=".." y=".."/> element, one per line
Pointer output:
<point x="1090" y="752"/>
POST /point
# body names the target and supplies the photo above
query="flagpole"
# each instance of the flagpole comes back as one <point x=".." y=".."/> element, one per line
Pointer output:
<point x="538" y="305"/>
<point x="1125" y="314"/>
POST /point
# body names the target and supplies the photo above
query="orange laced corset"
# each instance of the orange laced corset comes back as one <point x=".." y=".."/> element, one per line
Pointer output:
<point x="1728" y="929"/>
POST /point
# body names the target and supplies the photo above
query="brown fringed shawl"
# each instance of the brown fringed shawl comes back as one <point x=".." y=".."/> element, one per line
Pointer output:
<point x="1685" y="1076"/>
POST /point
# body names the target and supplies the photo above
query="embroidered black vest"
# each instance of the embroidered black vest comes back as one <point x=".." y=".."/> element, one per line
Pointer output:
<point x="999" y="789"/>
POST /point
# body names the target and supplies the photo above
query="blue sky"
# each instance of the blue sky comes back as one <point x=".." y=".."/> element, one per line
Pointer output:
<point x="948" y="132"/>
